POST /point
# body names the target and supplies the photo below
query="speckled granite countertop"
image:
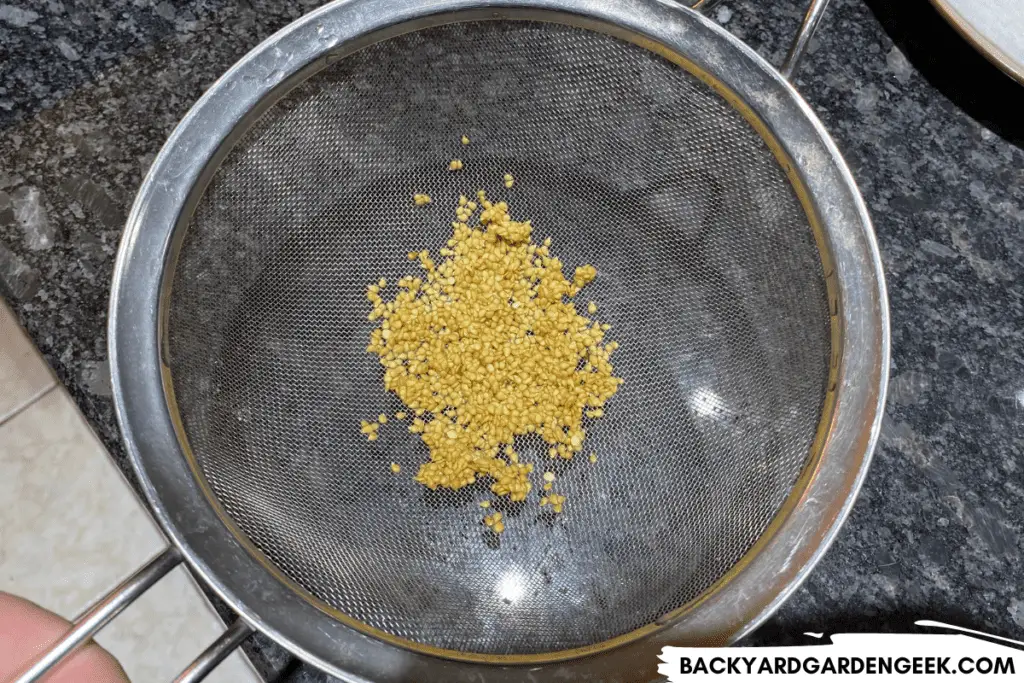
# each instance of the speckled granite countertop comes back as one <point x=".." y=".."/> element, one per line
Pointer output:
<point x="89" y="90"/>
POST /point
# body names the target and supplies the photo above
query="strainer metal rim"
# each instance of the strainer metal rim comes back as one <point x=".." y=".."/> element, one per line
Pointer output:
<point x="800" y="533"/>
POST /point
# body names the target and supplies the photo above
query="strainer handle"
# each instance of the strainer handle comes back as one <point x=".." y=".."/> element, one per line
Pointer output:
<point x="101" y="612"/>
<point x="227" y="643"/>
<point x="803" y="36"/>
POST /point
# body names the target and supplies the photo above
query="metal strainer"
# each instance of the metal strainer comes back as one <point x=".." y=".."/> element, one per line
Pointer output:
<point x="736" y="266"/>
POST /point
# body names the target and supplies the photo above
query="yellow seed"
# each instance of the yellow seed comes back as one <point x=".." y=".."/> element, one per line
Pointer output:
<point x="583" y="275"/>
<point x="372" y="436"/>
<point x="421" y="199"/>
<point x="382" y="283"/>
<point x="455" y="165"/>
<point x="400" y="415"/>
<point x="593" y="457"/>
<point x="591" y="308"/>
<point x="485" y="504"/>
<point x="549" y="476"/>
<point x="543" y="501"/>
<point x="395" y="467"/>
<point x="382" y="418"/>
<point x="547" y="487"/>
<point x="465" y="140"/>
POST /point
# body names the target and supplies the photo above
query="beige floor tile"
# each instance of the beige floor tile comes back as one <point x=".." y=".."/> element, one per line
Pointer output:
<point x="71" y="528"/>
<point x="24" y="375"/>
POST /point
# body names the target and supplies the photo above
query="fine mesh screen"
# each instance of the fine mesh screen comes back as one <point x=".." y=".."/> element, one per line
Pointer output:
<point x="708" y="274"/>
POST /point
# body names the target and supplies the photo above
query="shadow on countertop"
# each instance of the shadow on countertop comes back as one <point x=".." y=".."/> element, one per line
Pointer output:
<point x="953" y="66"/>
<point x="775" y="633"/>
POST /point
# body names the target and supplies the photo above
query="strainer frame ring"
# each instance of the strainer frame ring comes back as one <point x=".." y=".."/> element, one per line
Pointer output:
<point x="781" y="559"/>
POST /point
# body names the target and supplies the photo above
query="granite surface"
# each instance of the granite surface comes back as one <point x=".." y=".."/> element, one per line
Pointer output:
<point x="90" y="89"/>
